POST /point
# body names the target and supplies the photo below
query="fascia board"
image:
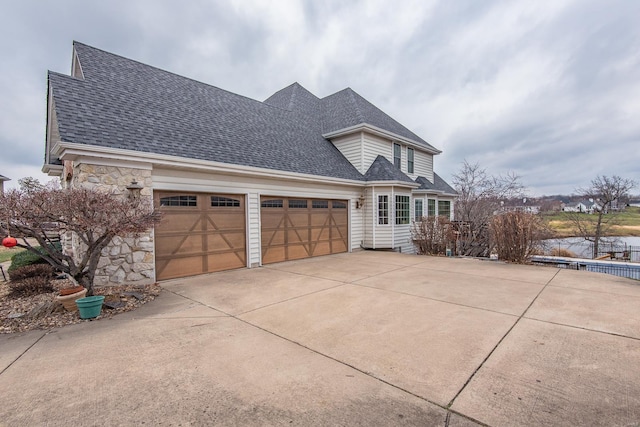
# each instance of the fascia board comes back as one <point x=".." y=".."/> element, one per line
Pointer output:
<point x="391" y="183"/>
<point x="72" y="151"/>
<point x="380" y="132"/>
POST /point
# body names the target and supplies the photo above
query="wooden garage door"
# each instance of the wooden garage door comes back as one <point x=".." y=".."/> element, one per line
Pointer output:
<point x="199" y="233"/>
<point x="294" y="228"/>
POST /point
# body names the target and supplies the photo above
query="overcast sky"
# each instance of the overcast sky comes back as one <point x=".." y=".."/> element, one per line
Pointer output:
<point x="547" y="89"/>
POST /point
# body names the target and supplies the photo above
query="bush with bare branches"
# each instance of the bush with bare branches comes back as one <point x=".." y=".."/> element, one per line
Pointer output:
<point x="432" y="235"/>
<point x="31" y="280"/>
<point x="516" y="236"/>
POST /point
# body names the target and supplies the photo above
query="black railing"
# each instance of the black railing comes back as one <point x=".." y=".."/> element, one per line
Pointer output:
<point x="622" y="269"/>
<point x="618" y="252"/>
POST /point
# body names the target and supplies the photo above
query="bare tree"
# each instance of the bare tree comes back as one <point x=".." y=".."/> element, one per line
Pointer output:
<point x="94" y="217"/>
<point x="607" y="193"/>
<point x="479" y="197"/>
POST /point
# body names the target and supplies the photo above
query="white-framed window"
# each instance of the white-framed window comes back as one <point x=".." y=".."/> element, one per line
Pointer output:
<point x="418" y="211"/>
<point x="431" y="207"/>
<point x="397" y="155"/>
<point x="410" y="155"/>
<point x="444" y="208"/>
<point x="383" y="209"/>
<point x="403" y="212"/>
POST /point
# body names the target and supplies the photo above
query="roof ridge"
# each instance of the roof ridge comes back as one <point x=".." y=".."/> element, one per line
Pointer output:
<point x="355" y="104"/>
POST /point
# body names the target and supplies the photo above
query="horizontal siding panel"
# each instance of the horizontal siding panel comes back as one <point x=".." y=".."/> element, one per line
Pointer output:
<point x="373" y="147"/>
<point x="423" y="165"/>
<point x="402" y="237"/>
<point x="351" y="147"/>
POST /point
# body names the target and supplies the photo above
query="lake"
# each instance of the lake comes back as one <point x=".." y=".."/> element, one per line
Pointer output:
<point x="582" y="248"/>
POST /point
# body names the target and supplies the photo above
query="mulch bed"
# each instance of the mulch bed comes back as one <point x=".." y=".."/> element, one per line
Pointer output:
<point x="44" y="312"/>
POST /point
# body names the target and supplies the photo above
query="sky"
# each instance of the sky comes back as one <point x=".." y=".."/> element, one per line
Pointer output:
<point x="548" y="90"/>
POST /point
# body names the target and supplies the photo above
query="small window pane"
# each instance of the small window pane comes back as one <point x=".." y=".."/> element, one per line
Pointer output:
<point x="444" y="208"/>
<point x="418" y="214"/>
<point x="383" y="210"/>
<point x="397" y="155"/>
<point x="409" y="160"/>
<point x="271" y="203"/>
<point x="402" y="210"/>
<point x="320" y="204"/>
<point x="179" y="201"/>
<point x="224" y="201"/>
<point x="297" y="204"/>
<point x="338" y="205"/>
<point x="431" y="207"/>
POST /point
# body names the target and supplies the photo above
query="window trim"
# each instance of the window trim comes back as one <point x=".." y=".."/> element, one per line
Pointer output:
<point x="449" y="203"/>
<point x="429" y="211"/>
<point x="403" y="209"/>
<point x="410" y="160"/>
<point x="415" y="209"/>
<point x="397" y="160"/>
<point x="383" y="214"/>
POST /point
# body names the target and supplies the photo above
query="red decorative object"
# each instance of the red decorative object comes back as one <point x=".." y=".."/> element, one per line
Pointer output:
<point x="9" y="242"/>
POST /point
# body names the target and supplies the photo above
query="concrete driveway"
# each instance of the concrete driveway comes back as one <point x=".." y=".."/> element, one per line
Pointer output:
<point x="369" y="338"/>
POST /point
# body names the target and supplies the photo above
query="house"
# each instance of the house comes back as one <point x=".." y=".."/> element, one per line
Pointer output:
<point x="584" y="206"/>
<point x="2" y="180"/>
<point x="241" y="183"/>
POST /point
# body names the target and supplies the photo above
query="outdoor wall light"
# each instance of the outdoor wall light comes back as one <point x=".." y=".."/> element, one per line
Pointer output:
<point x="360" y="202"/>
<point x="134" y="190"/>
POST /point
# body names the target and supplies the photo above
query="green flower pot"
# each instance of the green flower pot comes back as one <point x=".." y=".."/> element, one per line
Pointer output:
<point x="90" y="307"/>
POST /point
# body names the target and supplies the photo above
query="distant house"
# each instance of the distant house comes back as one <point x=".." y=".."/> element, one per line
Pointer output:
<point x="584" y="206"/>
<point x="2" y="180"/>
<point x="241" y="182"/>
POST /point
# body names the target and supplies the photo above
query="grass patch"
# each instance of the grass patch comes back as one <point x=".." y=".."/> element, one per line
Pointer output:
<point x="6" y="254"/>
<point x="628" y="222"/>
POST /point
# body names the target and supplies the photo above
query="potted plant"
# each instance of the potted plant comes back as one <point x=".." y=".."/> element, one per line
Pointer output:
<point x="69" y="296"/>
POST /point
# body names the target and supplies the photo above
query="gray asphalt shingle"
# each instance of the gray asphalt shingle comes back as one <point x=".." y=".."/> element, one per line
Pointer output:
<point x="125" y="104"/>
<point x="383" y="170"/>
<point x="439" y="184"/>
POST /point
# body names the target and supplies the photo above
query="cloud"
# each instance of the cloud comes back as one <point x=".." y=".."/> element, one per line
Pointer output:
<point x="548" y="90"/>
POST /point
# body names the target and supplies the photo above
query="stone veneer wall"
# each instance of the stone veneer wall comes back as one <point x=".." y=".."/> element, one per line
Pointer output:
<point x="126" y="259"/>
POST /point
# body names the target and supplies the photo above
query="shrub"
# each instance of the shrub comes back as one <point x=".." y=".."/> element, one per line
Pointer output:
<point x="432" y="235"/>
<point x="33" y="270"/>
<point x="25" y="258"/>
<point x="562" y="252"/>
<point x="31" y="280"/>
<point x="516" y="236"/>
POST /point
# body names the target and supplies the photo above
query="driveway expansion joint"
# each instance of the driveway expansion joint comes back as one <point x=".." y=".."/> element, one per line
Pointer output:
<point x="25" y="351"/>
<point x="473" y="374"/>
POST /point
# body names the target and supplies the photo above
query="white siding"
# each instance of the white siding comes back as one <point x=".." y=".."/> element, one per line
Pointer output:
<point x="383" y="233"/>
<point x="351" y="147"/>
<point x="356" y="225"/>
<point x="423" y="165"/>
<point x="402" y="237"/>
<point x="373" y="146"/>
<point x="369" y="212"/>
<point x="253" y="188"/>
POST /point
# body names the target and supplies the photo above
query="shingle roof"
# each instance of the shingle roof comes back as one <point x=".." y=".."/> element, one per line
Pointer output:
<point x="383" y="170"/>
<point x="439" y="184"/>
<point x="125" y="104"/>
<point x="4" y="178"/>
<point x="129" y="105"/>
<point x="346" y="108"/>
